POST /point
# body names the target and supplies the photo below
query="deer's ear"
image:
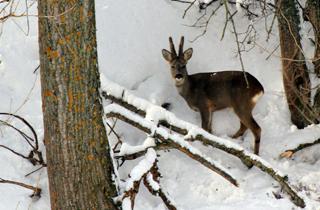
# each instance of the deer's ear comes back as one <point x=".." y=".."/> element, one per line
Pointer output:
<point x="187" y="54"/>
<point x="166" y="55"/>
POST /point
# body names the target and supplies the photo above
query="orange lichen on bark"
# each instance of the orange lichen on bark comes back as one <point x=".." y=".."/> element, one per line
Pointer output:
<point x="92" y="143"/>
<point x="70" y="100"/>
<point x="49" y="93"/>
<point x="61" y="41"/>
<point x="52" y="53"/>
<point x="91" y="157"/>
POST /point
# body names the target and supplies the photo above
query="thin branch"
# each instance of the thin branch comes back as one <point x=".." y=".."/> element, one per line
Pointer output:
<point x="14" y="152"/>
<point x="35" y="156"/>
<point x="290" y="152"/>
<point x="23" y="134"/>
<point x="187" y="9"/>
<point x="181" y="1"/>
<point x="205" y="26"/>
<point x="28" y="174"/>
<point x="237" y="41"/>
<point x="36" y="190"/>
<point x="28" y="125"/>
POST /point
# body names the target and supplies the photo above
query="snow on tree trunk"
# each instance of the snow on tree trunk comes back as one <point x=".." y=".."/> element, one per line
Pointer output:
<point x="79" y="166"/>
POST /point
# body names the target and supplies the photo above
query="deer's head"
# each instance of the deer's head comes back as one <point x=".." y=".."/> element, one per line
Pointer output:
<point x="178" y="61"/>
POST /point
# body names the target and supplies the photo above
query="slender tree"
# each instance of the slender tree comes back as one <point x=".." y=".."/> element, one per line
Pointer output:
<point x="312" y="14"/>
<point x="294" y="69"/>
<point x="79" y="165"/>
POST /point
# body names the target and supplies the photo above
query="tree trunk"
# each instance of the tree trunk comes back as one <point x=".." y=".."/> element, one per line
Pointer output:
<point x="294" y="70"/>
<point x="79" y="165"/>
<point x="312" y="14"/>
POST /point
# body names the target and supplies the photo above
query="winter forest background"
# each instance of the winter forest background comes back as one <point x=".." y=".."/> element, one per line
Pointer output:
<point x="130" y="37"/>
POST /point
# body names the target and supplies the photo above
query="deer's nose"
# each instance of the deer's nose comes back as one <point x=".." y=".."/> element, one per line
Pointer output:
<point x="179" y="76"/>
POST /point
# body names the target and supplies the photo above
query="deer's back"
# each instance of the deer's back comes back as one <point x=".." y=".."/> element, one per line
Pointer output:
<point x="225" y="89"/>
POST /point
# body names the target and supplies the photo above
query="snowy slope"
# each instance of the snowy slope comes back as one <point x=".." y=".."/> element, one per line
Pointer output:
<point x="131" y="35"/>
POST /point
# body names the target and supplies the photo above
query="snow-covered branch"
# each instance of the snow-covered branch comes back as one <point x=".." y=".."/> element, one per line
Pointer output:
<point x="135" y="109"/>
<point x="146" y="171"/>
<point x="173" y="140"/>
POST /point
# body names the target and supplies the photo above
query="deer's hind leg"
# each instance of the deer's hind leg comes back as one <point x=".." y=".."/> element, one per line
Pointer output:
<point x="241" y="130"/>
<point x="256" y="130"/>
<point x="248" y="121"/>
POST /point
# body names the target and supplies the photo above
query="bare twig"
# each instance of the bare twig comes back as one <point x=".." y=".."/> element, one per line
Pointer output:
<point x="28" y="174"/>
<point x="186" y="10"/>
<point x="206" y="24"/>
<point x="181" y="1"/>
<point x="290" y="152"/>
<point x="28" y="125"/>
<point x="237" y="41"/>
<point x="14" y="152"/>
<point x="35" y="156"/>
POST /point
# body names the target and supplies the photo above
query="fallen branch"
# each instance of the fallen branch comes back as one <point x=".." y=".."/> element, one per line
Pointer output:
<point x="290" y="152"/>
<point x="163" y="135"/>
<point x="191" y="132"/>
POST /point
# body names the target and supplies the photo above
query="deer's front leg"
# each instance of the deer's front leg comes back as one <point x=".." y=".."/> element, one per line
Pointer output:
<point x="206" y="119"/>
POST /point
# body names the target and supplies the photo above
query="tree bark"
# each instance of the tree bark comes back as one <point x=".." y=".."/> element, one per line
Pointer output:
<point x="294" y="70"/>
<point x="79" y="166"/>
<point x="312" y="14"/>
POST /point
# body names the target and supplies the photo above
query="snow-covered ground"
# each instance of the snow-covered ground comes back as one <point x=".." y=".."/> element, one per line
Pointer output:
<point x="131" y="35"/>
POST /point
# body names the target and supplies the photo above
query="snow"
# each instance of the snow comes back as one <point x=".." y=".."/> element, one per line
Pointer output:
<point x="126" y="204"/>
<point x="155" y="185"/>
<point x="131" y="35"/>
<point x="127" y="149"/>
<point x="141" y="168"/>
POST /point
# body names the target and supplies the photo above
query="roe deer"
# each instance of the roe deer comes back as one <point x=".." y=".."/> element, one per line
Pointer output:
<point x="208" y="92"/>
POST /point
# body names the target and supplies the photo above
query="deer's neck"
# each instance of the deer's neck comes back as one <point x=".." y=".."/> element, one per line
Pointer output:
<point x="184" y="87"/>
